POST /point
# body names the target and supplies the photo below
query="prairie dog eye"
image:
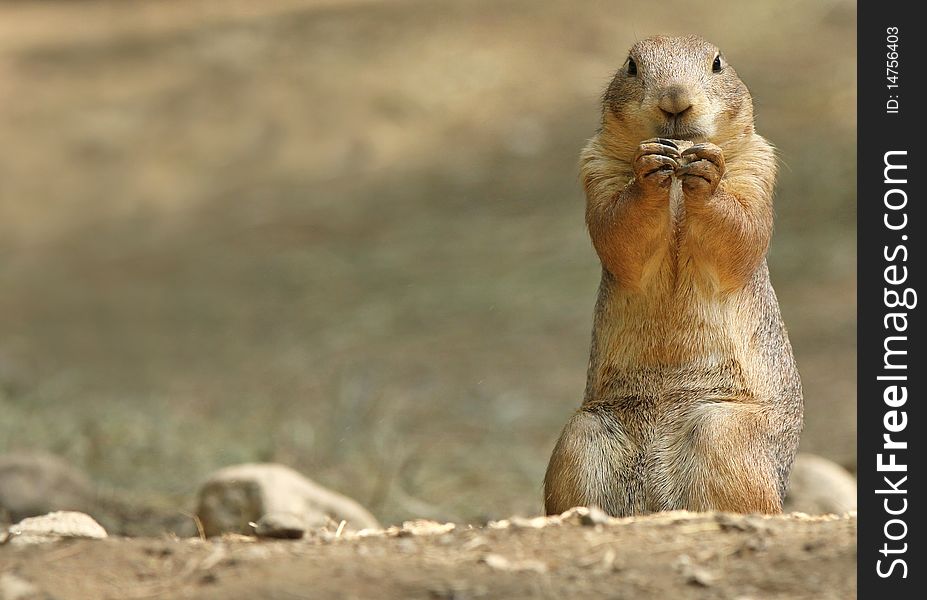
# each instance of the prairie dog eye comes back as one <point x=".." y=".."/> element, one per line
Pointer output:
<point x="717" y="65"/>
<point x="632" y="66"/>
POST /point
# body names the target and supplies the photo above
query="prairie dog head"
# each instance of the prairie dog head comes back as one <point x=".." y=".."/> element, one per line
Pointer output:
<point x="680" y="88"/>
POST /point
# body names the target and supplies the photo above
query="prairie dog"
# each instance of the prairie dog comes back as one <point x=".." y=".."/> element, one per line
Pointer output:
<point x="693" y="400"/>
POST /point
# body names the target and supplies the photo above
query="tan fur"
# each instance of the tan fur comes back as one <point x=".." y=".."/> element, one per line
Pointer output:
<point x="693" y="400"/>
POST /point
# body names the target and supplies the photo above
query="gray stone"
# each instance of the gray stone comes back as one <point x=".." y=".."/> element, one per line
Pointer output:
<point x="37" y="483"/>
<point x="284" y="526"/>
<point x="236" y="496"/>
<point x="820" y="486"/>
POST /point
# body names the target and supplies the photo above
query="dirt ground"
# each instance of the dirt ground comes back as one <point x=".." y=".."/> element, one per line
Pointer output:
<point x="674" y="555"/>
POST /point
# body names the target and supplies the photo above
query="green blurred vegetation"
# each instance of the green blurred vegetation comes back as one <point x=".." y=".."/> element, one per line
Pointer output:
<point x="348" y="235"/>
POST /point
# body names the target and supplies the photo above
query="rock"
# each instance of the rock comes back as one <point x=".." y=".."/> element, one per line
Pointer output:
<point x="284" y="526"/>
<point x="13" y="587"/>
<point x="238" y="495"/>
<point x="820" y="486"/>
<point x="54" y="527"/>
<point x="37" y="483"/>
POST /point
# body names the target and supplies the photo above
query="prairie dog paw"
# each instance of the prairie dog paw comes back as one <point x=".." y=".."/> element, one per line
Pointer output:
<point x="655" y="162"/>
<point x="702" y="169"/>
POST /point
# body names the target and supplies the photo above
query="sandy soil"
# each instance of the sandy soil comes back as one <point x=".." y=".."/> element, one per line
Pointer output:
<point x="673" y="555"/>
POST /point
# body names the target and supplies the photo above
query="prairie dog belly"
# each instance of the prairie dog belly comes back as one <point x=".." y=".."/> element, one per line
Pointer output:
<point x="668" y="349"/>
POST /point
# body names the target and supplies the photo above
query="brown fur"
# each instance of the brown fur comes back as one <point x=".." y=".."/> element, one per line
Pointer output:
<point x="693" y="400"/>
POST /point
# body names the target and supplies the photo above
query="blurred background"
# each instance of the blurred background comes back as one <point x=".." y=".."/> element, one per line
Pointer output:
<point x="348" y="235"/>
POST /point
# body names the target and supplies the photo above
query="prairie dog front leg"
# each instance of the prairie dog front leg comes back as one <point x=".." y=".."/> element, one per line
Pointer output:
<point x="629" y="228"/>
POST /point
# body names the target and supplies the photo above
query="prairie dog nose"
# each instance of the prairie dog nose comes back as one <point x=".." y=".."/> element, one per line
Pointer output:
<point x="675" y="100"/>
